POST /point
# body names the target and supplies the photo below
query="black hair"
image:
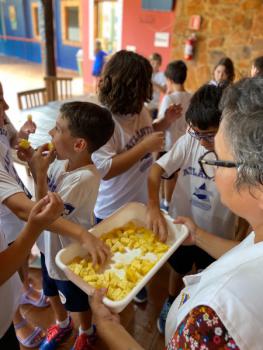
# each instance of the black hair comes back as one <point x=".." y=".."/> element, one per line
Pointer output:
<point x="156" y="57"/>
<point x="88" y="121"/>
<point x="203" y="111"/>
<point x="125" y="83"/>
<point x="258" y="64"/>
<point x="176" y="71"/>
<point x="229" y="67"/>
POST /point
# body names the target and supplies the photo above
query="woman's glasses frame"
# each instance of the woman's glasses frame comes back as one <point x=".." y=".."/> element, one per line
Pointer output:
<point x="218" y="163"/>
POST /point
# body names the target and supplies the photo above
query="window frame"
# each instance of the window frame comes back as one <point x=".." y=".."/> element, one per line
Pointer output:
<point x="35" y="21"/>
<point x="64" y="4"/>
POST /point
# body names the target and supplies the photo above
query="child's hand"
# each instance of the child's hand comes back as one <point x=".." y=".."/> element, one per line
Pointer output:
<point x="28" y="128"/>
<point x="47" y="210"/>
<point x="96" y="248"/>
<point x="24" y="154"/>
<point x="157" y="223"/>
<point x="153" y="142"/>
<point x="99" y="311"/>
<point x="172" y="113"/>
<point x="41" y="159"/>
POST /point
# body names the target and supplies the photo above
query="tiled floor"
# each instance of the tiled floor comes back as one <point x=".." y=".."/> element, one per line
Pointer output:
<point x="140" y="321"/>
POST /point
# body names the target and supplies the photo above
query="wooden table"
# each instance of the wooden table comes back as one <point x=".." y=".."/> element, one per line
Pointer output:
<point x="45" y="118"/>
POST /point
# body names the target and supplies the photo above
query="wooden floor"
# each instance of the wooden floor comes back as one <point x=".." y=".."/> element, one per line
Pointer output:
<point x="140" y="321"/>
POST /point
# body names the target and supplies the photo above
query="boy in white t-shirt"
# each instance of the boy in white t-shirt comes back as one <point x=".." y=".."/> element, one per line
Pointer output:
<point x="175" y="74"/>
<point x="12" y="257"/>
<point x="195" y="195"/>
<point x="81" y="128"/>
<point x="159" y="84"/>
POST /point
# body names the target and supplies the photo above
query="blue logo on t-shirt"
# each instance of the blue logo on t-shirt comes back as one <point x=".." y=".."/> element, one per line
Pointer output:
<point x="201" y="198"/>
<point x="68" y="208"/>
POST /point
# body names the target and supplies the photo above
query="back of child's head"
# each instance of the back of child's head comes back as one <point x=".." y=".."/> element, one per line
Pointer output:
<point x="204" y="111"/>
<point x="176" y="71"/>
<point x="156" y="57"/>
<point x="258" y="64"/>
<point x="88" y="121"/>
<point x="125" y="83"/>
<point x="229" y="68"/>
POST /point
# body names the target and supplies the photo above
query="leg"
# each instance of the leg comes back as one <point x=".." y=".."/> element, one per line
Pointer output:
<point x="59" y="309"/>
<point x="175" y="283"/>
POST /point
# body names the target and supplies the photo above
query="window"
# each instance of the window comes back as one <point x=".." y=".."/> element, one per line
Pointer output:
<point x="35" y="21"/>
<point x="71" y="29"/>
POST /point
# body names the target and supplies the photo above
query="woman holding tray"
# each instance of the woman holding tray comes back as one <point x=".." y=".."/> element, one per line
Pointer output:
<point x="221" y="307"/>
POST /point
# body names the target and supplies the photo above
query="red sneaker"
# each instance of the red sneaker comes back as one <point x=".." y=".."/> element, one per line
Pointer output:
<point x="84" y="342"/>
<point x="56" y="335"/>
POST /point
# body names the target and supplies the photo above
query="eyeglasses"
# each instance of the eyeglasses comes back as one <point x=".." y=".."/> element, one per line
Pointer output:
<point x="209" y="137"/>
<point x="209" y="162"/>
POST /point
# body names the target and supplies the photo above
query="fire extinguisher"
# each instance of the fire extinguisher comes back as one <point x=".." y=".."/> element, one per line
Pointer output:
<point x="189" y="47"/>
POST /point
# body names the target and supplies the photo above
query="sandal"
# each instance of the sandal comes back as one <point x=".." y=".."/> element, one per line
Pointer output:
<point x="34" y="339"/>
<point x="41" y="302"/>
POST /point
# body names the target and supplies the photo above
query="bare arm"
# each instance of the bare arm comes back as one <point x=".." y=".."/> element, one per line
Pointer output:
<point x="43" y="213"/>
<point x="155" y="219"/>
<point x="21" y="206"/>
<point x="125" y="160"/>
<point x="210" y="243"/>
<point x="116" y="337"/>
<point x="172" y="113"/>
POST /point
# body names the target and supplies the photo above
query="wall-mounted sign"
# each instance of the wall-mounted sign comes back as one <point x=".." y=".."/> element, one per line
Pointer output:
<point x="161" y="39"/>
<point x="194" y="22"/>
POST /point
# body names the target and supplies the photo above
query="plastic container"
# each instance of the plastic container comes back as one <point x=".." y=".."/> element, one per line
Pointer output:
<point x="135" y="212"/>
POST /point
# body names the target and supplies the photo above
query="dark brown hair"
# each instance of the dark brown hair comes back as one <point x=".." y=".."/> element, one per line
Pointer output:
<point x="229" y="67"/>
<point x="125" y="83"/>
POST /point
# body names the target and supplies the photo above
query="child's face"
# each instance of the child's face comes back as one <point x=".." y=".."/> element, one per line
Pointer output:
<point x="3" y="106"/>
<point x="62" y="139"/>
<point x="253" y="71"/>
<point x="220" y="73"/>
<point x="155" y="65"/>
<point x="205" y="137"/>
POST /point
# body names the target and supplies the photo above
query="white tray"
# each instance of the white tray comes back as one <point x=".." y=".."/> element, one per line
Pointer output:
<point x="135" y="212"/>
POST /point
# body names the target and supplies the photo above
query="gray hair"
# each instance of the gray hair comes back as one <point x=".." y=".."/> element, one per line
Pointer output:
<point x="242" y="105"/>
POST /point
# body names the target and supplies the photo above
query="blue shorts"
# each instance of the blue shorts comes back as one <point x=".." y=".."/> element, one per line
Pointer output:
<point x="71" y="296"/>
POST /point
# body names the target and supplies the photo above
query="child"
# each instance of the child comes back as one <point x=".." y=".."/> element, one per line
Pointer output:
<point x="16" y="206"/>
<point x="159" y="84"/>
<point x="98" y="63"/>
<point x="42" y="214"/>
<point x="125" y="160"/>
<point x="257" y="67"/>
<point x="81" y="128"/>
<point x="175" y="74"/>
<point x="223" y="72"/>
<point x="195" y="195"/>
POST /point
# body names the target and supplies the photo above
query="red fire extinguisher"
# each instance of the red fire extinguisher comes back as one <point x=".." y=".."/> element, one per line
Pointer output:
<point x="189" y="47"/>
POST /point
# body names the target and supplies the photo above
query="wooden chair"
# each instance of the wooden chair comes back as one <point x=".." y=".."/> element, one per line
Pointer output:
<point x="32" y="98"/>
<point x="58" y="88"/>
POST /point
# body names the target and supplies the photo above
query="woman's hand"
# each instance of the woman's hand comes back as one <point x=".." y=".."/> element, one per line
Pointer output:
<point x="28" y="128"/>
<point x="44" y="212"/>
<point x="192" y="229"/>
<point x="100" y="312"/>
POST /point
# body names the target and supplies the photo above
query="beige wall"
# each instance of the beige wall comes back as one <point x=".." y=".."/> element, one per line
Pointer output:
<point x="231" y="28"/>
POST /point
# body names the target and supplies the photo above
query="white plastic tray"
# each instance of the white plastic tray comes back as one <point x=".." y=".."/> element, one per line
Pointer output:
<point x="135" y="212"/>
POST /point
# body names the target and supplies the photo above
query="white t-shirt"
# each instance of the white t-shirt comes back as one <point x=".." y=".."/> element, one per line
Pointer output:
<point x="157" y="78"/>
<point x="178" y="128"/>
<point x="132" y="184"/>
<point x="195" y="195"/>
<point x="10" y="184"/>
<point x="10" y="292"/>
<point x="232" y="287"/>
<point x="78" y="190"/>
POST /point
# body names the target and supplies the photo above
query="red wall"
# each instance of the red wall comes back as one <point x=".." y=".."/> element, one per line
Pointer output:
<point x="140" y="25"/>
<point x="138" y="30"/>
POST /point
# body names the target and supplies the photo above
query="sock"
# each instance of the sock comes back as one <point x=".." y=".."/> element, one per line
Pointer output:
<point x="171" y="299"/>
<point x="88" y="331"/>
<point x="65" y="323"/>
<point x="166" y="203"/>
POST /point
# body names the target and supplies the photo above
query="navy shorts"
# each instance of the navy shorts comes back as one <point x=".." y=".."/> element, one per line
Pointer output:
<point x="71" y="296"/>
<point x="185" y="257"/>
